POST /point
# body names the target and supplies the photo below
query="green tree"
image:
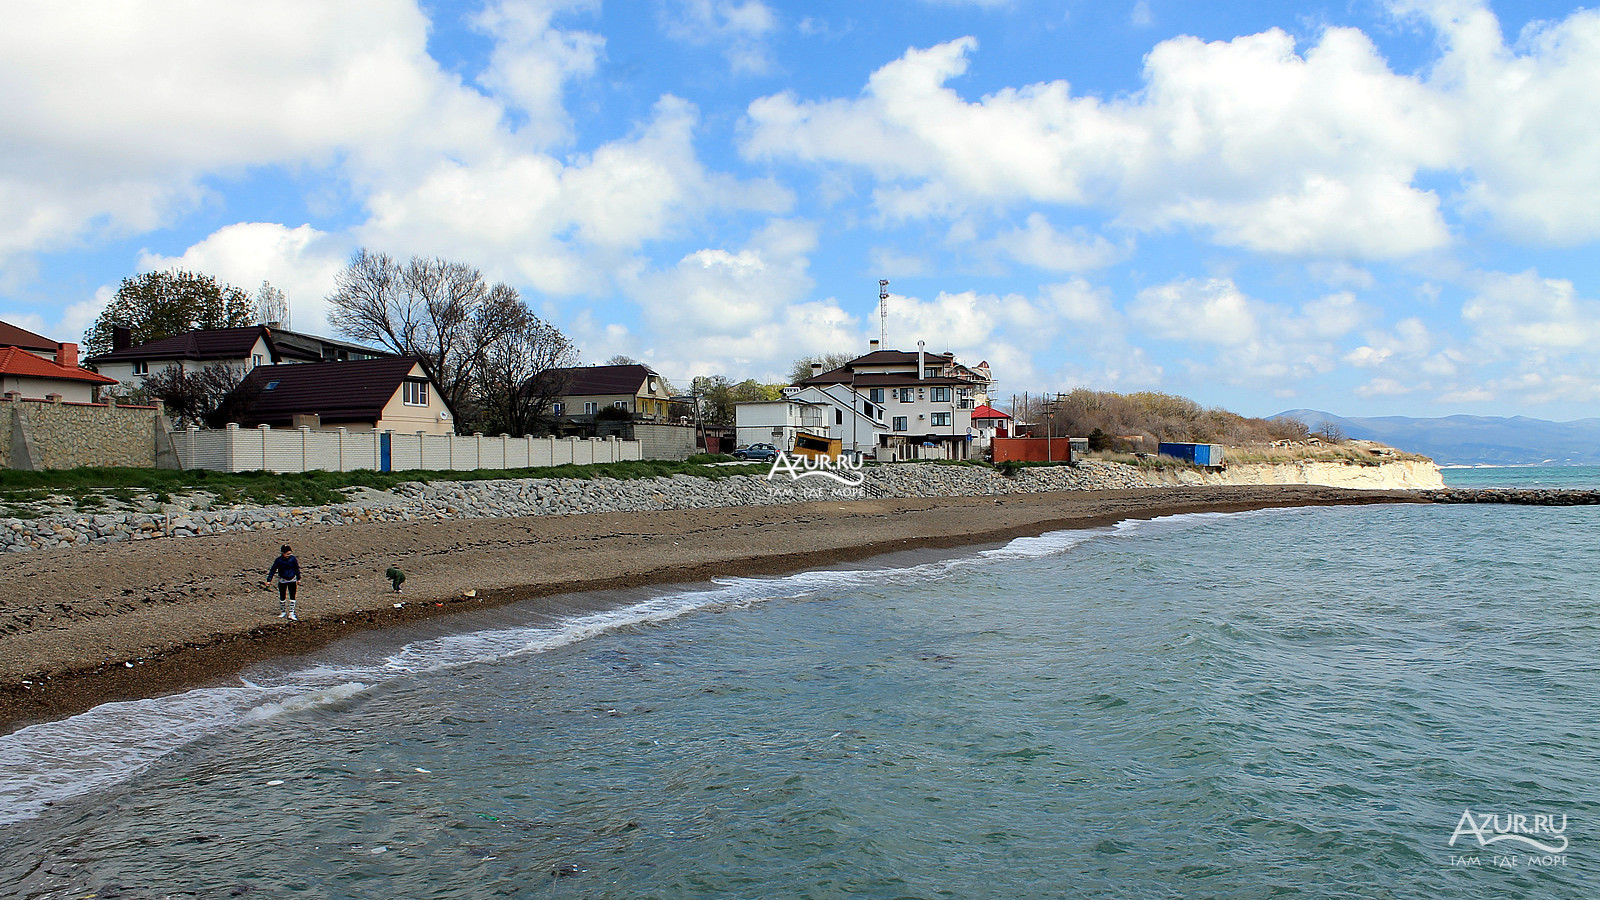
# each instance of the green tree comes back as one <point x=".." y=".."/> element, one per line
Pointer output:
<point x="159" y="305"/>
<point x="718" y="396"/>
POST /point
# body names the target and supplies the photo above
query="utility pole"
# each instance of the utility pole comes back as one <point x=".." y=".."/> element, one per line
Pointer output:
<point x="883" y="314"/>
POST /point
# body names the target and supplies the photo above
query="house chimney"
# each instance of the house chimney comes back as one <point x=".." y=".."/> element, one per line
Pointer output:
<point x="121" y="337"/>
<point x="67" y="355"/>
<point x="875" y="346"/>
<point x="921" y="358"/>
<point x="816" y="369"/>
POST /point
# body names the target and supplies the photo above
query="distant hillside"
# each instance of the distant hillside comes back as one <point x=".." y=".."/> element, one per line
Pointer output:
<point x="1472" y="440"/>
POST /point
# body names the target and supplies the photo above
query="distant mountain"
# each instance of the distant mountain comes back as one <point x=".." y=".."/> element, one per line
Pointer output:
<point x="1472" y="440"/>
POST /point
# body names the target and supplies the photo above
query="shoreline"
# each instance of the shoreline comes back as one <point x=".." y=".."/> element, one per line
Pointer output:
<point x="142" y="620"/>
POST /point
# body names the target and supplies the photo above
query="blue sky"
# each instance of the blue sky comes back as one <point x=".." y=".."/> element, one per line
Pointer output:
<point x="1371" y="207"/>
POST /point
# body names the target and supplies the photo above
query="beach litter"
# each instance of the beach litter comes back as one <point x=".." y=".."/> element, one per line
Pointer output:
<point x="275" y="782"/>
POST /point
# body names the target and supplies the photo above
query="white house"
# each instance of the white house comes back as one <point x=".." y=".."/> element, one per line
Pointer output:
<point x="989" y="423"/>
<point x="775" y="422"/>
<point x="852" y="418"/>
<point x="926" y="400"/>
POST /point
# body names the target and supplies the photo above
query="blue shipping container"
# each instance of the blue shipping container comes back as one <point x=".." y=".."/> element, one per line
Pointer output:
<point x="1199" y="454"/>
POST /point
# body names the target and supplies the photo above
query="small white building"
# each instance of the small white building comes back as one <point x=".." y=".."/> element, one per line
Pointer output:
<point x="853" y="418"/>
<point x="776" y="422"/>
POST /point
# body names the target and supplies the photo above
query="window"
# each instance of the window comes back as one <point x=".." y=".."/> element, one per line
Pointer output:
<point x="621" y="404"/>
<point x="414" y="393"/>
<point x="941" y="419"/>
<point x="930" y="372"/>
<point x="590" y="407"/>
<point x="908" y="395"/>
<point x="838" y="417"/>
<point x="869" y="410"/>
<point x="255" y="360"/>
<point x="939" y="394"/>
<point x="558" y="408"/>
<point x="900" y="423"/>
<point x="141" y="368"/>
<point x="875" y="395"/>
<point x="271" y="386"/>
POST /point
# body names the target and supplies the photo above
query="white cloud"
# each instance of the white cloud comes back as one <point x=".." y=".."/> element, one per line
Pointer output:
<point x="1385" y="387"/>
<point x="1526" y="312"/>
<point x="740" y="311"/>
<point x="302" y="262"/>
<point x="1140" y="16"/>
<point x="113" y="114"/>
<point x="1253" y="141"/>
<point x="1040" y="245"/>
<point x="532" y="61"/>
<point x="562" y="227"/>
<point x="1527" y="116"/>
<point x="1259" y="146"/>
<point x="1209" y="311"/>
<point x="742" y="28"/>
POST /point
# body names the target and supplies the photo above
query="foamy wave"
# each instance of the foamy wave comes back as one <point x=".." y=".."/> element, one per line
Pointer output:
<point x="54" y="761"/>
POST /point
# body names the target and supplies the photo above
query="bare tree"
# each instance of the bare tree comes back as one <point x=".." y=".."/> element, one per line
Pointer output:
<point x="521" y="373"/>
<point x="440" y="311"/>
<point x="272" y="305"/>
<point x="620" y="360"/>
<point x="209" y="396"/>
<point x="801" y="370"/>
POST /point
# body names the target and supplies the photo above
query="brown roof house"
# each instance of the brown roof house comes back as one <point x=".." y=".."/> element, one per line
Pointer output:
<point x="37" y="344"/>
<point x="635" y="388"/>
<point x="390" y="394"/>
<point x="241" y="348"/>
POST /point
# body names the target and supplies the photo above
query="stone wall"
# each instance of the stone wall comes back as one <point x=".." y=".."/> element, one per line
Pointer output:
<point x="507" y="498"/>
<point x="663" y="441"/>
<point x="70" y="435"/>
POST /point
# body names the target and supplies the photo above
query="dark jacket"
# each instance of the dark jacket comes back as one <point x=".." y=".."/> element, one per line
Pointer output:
<point x="287" y="568"/>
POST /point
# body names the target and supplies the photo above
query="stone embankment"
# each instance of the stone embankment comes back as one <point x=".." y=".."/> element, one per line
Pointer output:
<point x="1517" y="496"/>
<point x="570" y="496"/>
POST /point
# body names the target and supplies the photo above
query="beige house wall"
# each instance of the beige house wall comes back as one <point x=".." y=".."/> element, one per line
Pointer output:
<point x="434" y="418"/>
<point x="39" y="388"/>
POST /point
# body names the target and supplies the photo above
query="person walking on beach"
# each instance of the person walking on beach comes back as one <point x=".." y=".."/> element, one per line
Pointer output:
<point x="287" y="569"/>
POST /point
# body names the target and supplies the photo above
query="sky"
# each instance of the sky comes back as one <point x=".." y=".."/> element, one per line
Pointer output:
<point x="1370" y="207"/>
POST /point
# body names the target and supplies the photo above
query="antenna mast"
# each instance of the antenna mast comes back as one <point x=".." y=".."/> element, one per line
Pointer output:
<point x="883" y="313"/>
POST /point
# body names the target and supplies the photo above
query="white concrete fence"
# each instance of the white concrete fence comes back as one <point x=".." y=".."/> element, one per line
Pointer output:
<point x="235" y="449"/>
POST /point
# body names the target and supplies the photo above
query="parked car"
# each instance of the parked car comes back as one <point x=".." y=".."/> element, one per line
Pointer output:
<point x="757" y="452"/>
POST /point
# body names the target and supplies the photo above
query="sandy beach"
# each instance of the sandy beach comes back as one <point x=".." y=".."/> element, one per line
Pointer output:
<point x="79" y="627"/>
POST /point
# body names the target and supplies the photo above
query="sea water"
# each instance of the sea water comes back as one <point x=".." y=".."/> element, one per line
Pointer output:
<point x="1545" y="477"/>
<point x="1303" y="703"/>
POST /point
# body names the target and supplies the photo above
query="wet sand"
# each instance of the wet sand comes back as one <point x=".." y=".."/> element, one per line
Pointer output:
<point x="79" y="627"/>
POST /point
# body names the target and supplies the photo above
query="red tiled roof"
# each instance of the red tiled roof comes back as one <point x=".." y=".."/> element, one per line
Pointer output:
<point x="16" y="361"/>
<point x="12" y="336"/>
<point x="355" y="390"/>
<point x="989" y="412"/>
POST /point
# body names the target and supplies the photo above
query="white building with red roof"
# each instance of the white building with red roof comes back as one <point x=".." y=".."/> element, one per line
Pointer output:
<point x="39" y="369"/>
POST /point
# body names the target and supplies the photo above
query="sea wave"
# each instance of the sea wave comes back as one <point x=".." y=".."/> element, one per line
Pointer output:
<point x="48" y="763"/>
